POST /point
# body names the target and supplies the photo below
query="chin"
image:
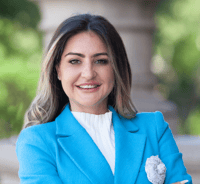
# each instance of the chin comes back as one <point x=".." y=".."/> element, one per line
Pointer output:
<point x="90" y="104"/>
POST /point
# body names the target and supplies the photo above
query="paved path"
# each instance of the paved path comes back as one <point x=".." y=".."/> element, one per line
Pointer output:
<point x="188" y="145"/>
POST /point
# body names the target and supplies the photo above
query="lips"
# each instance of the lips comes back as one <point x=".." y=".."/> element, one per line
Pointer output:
<point x="88" y="86"/>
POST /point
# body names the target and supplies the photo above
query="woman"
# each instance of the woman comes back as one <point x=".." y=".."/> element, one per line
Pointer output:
<point x="86" y="129"/>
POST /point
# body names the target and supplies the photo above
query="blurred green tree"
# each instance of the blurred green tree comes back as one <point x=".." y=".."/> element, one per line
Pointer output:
<point x="176" y="58"/>
<point x="20" y="56"/>
<point x="25" y="12"/>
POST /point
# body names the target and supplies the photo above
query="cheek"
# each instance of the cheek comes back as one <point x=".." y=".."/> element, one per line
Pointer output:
<point x="111" y="77"/>
<point x="69" y="74"/>
<point x="111" y="81"/>
<point x="67" y="80"/>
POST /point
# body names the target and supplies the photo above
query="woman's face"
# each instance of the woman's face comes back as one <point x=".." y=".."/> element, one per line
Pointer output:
<point x="86" y="73"/>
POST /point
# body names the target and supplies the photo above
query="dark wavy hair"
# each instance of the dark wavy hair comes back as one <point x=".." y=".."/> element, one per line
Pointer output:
<point x="51" y="98"/>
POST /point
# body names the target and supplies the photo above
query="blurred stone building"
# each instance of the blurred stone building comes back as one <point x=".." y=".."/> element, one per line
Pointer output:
<point x="134" y="20"/>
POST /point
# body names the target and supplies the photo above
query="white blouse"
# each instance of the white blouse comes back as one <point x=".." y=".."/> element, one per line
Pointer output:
<point x="100" y="129"/>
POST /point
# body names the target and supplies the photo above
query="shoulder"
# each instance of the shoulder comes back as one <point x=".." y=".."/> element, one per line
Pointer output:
<point x="149" y="118"/>
<point x="148" y="123"/>
<point x="145" y="119"/>
<point x="36" y="148"/>
<point x="37" y="134"/>
<point x="46" y="128"/>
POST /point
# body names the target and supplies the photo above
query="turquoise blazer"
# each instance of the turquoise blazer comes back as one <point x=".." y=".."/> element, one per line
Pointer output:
<point x="63" y="152"/>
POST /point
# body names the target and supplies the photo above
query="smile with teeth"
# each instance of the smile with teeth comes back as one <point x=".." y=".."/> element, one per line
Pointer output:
<point x="88" y="86"/>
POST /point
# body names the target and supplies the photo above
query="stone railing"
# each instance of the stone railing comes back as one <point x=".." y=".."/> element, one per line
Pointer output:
<point x="8" y="162"/>
<point x="190" y="147"/>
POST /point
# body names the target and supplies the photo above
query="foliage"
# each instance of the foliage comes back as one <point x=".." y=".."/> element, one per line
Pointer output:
<point x="23" y="11"/>
<point x="193" y="121"/>
<point x="18" y="81"/>
<point x="177" y="57"/>
<point x="20" y="56"/>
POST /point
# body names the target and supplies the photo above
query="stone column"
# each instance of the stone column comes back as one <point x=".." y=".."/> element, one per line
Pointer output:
<point x="134" y="19"/>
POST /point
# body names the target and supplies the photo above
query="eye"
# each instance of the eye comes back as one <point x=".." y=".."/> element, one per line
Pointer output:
<point x="74" y="61"/>
<point x="101" y="61"/>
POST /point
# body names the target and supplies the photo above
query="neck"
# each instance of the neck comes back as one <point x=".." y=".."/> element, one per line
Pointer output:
<point x="97" y="109"/>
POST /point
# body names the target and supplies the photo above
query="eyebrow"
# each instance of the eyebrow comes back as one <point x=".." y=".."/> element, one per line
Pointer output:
<point x="82" y="55"/>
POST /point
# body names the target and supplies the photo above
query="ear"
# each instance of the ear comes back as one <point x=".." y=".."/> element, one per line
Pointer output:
<point x="58" y="71"/>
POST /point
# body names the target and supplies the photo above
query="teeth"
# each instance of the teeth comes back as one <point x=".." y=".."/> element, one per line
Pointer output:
<point x="88" y="86"/>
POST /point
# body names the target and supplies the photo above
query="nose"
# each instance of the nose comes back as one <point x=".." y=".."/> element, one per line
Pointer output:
<point x="88" y="71"/>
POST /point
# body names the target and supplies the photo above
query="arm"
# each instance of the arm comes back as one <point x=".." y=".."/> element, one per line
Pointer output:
<point x="169" y="153"/>
<point x="35" y="159"/>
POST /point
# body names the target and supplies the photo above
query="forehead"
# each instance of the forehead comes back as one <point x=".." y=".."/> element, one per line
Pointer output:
<point x="85" y="42"/>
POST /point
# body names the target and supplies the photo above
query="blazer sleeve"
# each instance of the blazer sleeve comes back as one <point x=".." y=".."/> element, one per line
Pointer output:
<point x="36" y="163"/>
<point x="169" y="153"/>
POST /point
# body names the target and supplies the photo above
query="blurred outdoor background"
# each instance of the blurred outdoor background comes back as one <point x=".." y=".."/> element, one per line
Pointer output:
<point x="175" y="61"/>
<point x="20" y="57"/>
<point x="162" y="38"/>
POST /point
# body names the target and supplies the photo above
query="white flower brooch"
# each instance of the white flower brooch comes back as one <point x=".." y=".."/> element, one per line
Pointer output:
<point x="155" y="170"/>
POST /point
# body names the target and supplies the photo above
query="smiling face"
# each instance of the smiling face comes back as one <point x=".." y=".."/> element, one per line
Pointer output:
<point x="86" y="73"/>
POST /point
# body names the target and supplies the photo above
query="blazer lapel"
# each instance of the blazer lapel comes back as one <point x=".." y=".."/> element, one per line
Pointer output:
<point x="81" y="149"/>
<point x="129" y="148"/>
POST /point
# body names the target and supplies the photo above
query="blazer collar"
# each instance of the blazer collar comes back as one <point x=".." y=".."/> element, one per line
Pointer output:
<point x="66" y="124"/>
<point x="129" y="148"/>
<point x="127" y="123"/>
<point x="81" y="149"/>
<point x="65" y="127"/>
<point x="79" y="146"/>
